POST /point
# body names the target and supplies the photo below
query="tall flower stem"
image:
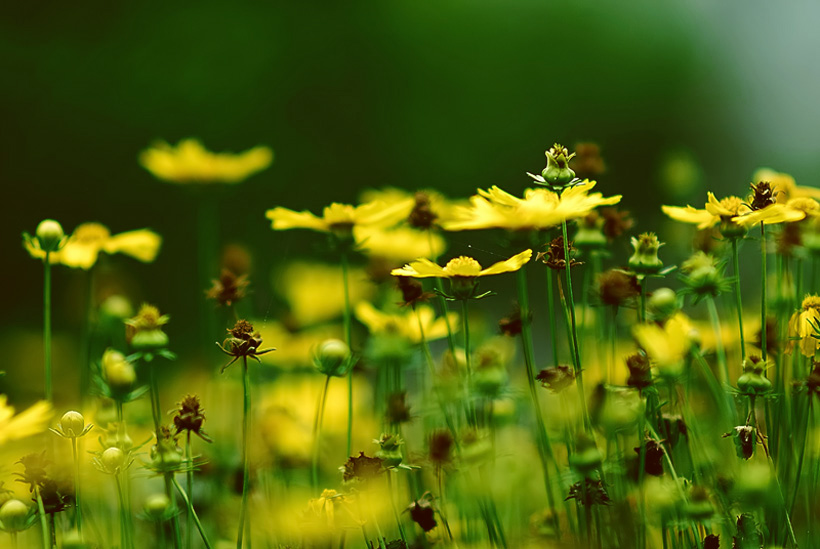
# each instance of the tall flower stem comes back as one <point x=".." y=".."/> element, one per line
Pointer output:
<point x="43" y="524"/>
<point x="193" y="514"/>
<point x="317" y="433"/>
<point x="77" y="501"/>
<point x="465" y="322"/>
<point x="246" y="427"/>
<point x="189" y="478"/>
<point x="47" y="324"/>
<point x="347" y="323"/>
<point x="451" y="340"/>
<point x="576" y="358"/>
<point x="551" y="309"/>
<point x="763" y="335"/>
<point x="721" y="352"/>
<point x="155" y="406"/>
<point x="125" y="538"/>
<point x="544" y="448"/>
<point x="738" y="300"/>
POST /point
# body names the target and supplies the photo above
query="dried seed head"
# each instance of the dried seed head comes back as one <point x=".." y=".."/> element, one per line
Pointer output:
<point x="422" y="216"/>
<point x="228" y="289"/>
<point x="556" y="378"/>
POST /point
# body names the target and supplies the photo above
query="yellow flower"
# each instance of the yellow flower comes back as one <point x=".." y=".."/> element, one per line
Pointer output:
<point x="83" y="247"/>
<point x="462" y="267"/>
<point x="430" y="207"/>
<point x="315" y="291"/>
<point x="341" y="217"/>
<point x="31" y="422"/>
<point x="666" y="346"/>
<point x="784" y="185"/>
<point x="796" y="209"/>
<point x="398" y="244"/>
<point x="713" y="213"/>
<point x="405" y="324"/>
<point x="802" y="327"/>
<point x="190" y="162"/>
<point x="539" y="209"/>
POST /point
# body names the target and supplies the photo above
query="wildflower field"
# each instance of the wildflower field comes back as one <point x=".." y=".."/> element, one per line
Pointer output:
<point x="407" y="397"/>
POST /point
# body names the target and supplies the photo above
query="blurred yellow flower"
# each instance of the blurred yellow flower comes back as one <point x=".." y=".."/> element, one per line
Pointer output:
<point x="462" y="267"/>
<point x="190" y="162"/>
<point x="398" y="244"/>
<point x="713" y="213"/>
<point x="796" y="209"/>
<point x="83" y="247"/>
<point x="32" y="421"/>
<point x="430" y="207"/>
<point x="315" y="291"/>
<point x="408" y="324"/>
<point x="802" y="327"/>
<point x="666" y="346"/>
<point x="539" y="209"/>
<point x="341" y="217"/>
<point x="784" y="185"/>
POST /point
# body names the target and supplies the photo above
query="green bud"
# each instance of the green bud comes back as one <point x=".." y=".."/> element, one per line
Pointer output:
<point x="49" y="234"/>
<point x="149" y="340"/>
<point x="117" y="306"/>
<point x="587" y="457"/>
<point x="112" y="460"/>
<point x="753" y="380"/>
<point x="663" y="303"/>
<point x="332" y="357"/>
<point x="558" y="172"/>
<point x="389" y="450"/>
<point x="72" y="424"/>
<point x="156" y="506"/>
<point x="73" y="540"/>
<point x="14" y="515"/>
<point x="645" y="260"/>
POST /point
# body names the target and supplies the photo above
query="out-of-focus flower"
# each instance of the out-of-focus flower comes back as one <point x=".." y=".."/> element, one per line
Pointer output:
<point x="462" y="267"/>
<point x="430" y="208"/>
<point x="190" y="162"/>
<point x="398" y="244"/>
<point x="616" y="288"/>
<point x="666" y="346"/>
<point x="14" y="516"/>
<point x="315" y="291"/>
<point x="408" y="324"/>
<point x="422" y="512"/>
<point x="294" y="348"/>
<point x="324" y="507"/>
<point x="796" y="209"/>
<point x="190" y="416"/>
<point x="538" y="209"/>
<point x="340" y="219"/>
<point x="333" y="358"/>
<point x="82" y="248"/>
<point x="144" y="331"/>
<point x="804" y="327"/>
<point x="228" y="288"/>
<point x="554" y="256"/>
<point x="556" y="378"/>
<point x="362" y="468"/>
<point x="784" y="185"/>
<point x="32" y="421"/>
<point x="588" y="161"/>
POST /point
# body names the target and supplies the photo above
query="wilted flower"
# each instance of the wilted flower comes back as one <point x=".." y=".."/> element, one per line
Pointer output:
<point x="745" y="440"/>
<point x="243" y="342"/>
<point x="617" y="288"/>
<point x="589" y="492"/>
<point x="804" y="327"/>
<point x="511" y="324"/>
<point x="361" y="468"/>
<point x="228" y="288"/>
<point x="190" y="416"/>
<point x="653" y="457"/>
<point x="441" y="447"/>
<point x="555" y="258"/>
<point x="556" y="378"/>
<point x="190" y="162"/>
<point x="422" y="512"/>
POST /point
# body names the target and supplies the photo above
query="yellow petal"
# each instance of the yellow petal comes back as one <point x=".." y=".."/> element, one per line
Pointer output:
<point x="284" y="219"/>
<point x="702" y="218"/>
<point x="141" y="244"/>
<point x="421" y="268"/>
<point x="512" y="264"/>
<point x="776" y="213"/>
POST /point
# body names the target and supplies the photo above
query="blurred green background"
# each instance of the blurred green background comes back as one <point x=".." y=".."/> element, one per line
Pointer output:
<point x="451" y="95"/>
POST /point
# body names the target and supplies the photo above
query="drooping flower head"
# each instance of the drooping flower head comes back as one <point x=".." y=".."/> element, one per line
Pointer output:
<point x="190" y="162"/>
<point x="804" y="327"/>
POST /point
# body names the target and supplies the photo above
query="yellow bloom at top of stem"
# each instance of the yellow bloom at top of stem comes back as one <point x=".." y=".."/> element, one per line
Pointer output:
<point x="666" y="346"/>
<point x="462" y="267"/>
<point x="405" y="323"/>
<point x="30" y="422"/>
<point x="398" y="244"/>
<point x="81" y="249"/>
<point x="430" y="208"/>
<point x="190" y="162"/>
<point x="803" y="326"/>
<point x="784" y="185"/>
<point x="712" y="214"/>
<point x="341" y="218"/>
<point x="538" y="209"/>
<point x="796" y="209"/>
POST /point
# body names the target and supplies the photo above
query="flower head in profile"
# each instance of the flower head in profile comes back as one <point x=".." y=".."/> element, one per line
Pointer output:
<point x="81" y="249"/>
<point x="715" y="212"/>
<point x="538" y="209"/>
<point x="409" y="324"/>
<point x="666" y="346"/>
<point x="804" y="327"/>
<point x="190" y="162"/>
<point x="340" y="219"/>
<point x="430" y="209"/>
<point x="242" y="342"/>
<point x="190" y="416"/>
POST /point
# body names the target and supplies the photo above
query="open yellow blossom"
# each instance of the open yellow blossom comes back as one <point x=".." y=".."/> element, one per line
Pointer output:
<point x="315" y="291"/>
<point x="712" y="214"/>
<point x="802" y="327"/>
<point x="341" y="217"/>
<point x="538" y="209"/>
<point x="785" y="186"/>
<point x="398" y="244"/>
<point x="190" y="162"/>
<point x="83" y="247"/>
<point x="462" y="267"/>
<point x="666" y="346"/>
<point x="405" y="323"/>
<point x="796" y="209"/>
<point x="32" y="421"/>
<point x="431" y="208"/>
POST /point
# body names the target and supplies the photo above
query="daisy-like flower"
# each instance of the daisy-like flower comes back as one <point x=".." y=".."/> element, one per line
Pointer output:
<point x="666" y="346"/>
<point x="190" y="162"/>
<point x="405" y="323"/>
<point x="795" y="209"/>
<point x="430" y="208"/>
<point x="32" y="421"/>
<point x="538" y="209"/>
<point x="463" y="272"/>
<point x="340" y="219"/>
<point x="716" y="212"/>
<point x="81" y="249"/>
<point x="785" y="186"/>
<point x="804" y="327"/>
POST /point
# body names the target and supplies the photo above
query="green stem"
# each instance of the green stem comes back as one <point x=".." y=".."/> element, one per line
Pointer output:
<point x="465" y="323"/>
<point x="124" y="537"/>
<point x="347" y="329"/>
<point x="807" y="431"/>
<point x="451" y="340"/>
<point x="763" y="335"/>
<point x="192" y="513"/>
<point x="721" y="352"/>
<point x="169" y="493"/>
<point x="551" y="309"/>
<point x="576" y="357"/>
<point x="78" y="506"/>
<point x="246" y="427"/>
<point x="155" y="401"/>
<point x="47" y="324"/>
<point x="317" y="433"/>
<point x="190" y="487"/>
<point x="391" y="491"/>
<point x="738" y="299"/>
<point x="43" y="524"/>
<point x="642" y="309"/>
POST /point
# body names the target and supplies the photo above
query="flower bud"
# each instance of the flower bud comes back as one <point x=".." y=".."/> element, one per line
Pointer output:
<point x="13" y="515"/>
<point x="663" y="303"/>
<point x="753" y="379"/>
<point x="117" y="306"/>
<point x="390" y="452"/>
<point x="73" y="540"/>
<point x="117" y="371"/>
<point x="156" y="506"/>
<point x="113" y="459"/>
<point x="49" y="234"/>
<point x="645" y="259"/>
<point x="587" y="457"/>
<point x="332" y="357"/>
<point x="72" y="424"/>
<point x="558" y="172"/>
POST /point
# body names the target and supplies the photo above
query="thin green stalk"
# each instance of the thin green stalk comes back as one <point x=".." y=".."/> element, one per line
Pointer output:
<point x="13" y="539"/>
<point x="169" y="493"/>
<point x="392" y="493"/>
<point x="125" y="538"/>
<point x="763" y="335"/>
<point x="42" y="512"/>
<point x="155" y="406"/>
<point x="348" y="338"/>
<point x="721" y="352"/>
<point x="192" y="513"/>
<point x="78" y="506"/>
<point x="738" y="299"/>
<point x="642" y="309"/>
<point x="551" y="310"/>
<point x="451" y="340"/>
<point x="47" y="324"/>
<point x="246" y="428"/>
<point x="317" y="433"/>
<point x="189" y="477"/>
<point x="574" y="334"/>
<point x="807" y="435"/>
<point x="465" y="323"/>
